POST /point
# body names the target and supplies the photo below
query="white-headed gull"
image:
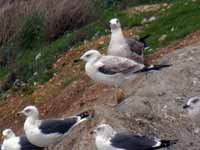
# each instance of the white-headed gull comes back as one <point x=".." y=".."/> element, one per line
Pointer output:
<point x="125" y="47"/>
<point x="106" y="138"/>
<point x="113" y="70"/>
<point x="47" y="132"/>
<point x="193" y="108"/>
<point x="13" y="142"/>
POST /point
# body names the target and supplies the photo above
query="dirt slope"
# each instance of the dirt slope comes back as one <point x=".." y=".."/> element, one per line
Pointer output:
<point x="166" y="91"/>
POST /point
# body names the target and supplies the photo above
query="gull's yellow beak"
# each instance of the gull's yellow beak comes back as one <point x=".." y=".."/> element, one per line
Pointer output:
<point x="20" y="113"/>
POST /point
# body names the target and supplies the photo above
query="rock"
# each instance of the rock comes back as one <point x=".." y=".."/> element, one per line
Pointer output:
<point x="135" y="106"/>
<point x="165" y="5"/>
<point x="35" y="73"/>
<point x="137" y="37"/>
<point x="38" y="56"/>
<point x="162" y="38"/>
<point x="153" y="18"/>
<point x="195" y="81"/>
<point x="101" y="42"/>
<point x="169" y="6"/>
<point x="144" y="21"/>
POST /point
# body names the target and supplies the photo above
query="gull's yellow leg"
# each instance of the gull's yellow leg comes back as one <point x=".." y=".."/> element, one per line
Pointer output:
<point x="120" y="95"/>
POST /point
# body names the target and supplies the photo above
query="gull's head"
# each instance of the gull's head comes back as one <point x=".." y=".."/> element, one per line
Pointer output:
<point x="30" y="111"/>
<point x="91" y="55"/>
<point x="7" y="134"/>
<point x="104" y="130"/>
<point x="193" y="104"/>
<point x="114" y="24"/>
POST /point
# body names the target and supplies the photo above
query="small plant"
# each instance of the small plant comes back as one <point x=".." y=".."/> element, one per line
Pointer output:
<point x="68" y="80"/>
<point x="4" y="71"/>
<point x="46" y="75"/>
<point x="32" y="32"/>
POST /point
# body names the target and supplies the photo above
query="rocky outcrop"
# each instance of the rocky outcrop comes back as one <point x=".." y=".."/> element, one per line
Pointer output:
<point x="153" y="107"/>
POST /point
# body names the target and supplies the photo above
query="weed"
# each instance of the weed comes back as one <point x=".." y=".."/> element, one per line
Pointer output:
<point x="68" y="80"/>
<point x="32" y="33"/>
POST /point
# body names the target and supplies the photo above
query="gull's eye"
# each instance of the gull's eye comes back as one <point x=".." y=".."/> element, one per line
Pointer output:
<point x="88" y="55"/>
<point x="8" y="132"/>
<point x="195" y="101"/>
<point x="99" y="129"/>
<point x="27" y="110"/>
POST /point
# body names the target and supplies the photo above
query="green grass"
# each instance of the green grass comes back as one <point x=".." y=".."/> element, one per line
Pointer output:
<point x="185" y="19"/>
<point x="4" y="71"/>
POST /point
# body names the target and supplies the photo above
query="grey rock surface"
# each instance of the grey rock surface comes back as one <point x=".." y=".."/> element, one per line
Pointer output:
<point x="153" y="106"/>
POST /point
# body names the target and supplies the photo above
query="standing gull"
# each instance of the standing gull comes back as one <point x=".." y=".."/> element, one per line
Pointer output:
<point x="193" y="108"/>
<point x="106" y="138"/>
<point x="12" y="142"/>
<point x="125" y="47"/>
<point x="46" y="132"/>
<point x="113" y="70"/>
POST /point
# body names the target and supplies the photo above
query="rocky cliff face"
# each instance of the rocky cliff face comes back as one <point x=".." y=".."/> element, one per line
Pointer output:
<point x="153" y="107"/>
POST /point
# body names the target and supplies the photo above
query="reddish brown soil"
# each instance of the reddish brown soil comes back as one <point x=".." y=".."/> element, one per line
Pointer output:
<point x="55" y="99"/>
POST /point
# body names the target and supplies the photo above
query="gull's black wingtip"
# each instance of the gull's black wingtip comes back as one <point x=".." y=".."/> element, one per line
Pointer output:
<point x="185" y="106"/>
<point x="172" y="142"/>
<point x="86" y="114"/>
<point x="163" y="65"/>
<point x="168" y="143"/>
<point x="154" y="67"/>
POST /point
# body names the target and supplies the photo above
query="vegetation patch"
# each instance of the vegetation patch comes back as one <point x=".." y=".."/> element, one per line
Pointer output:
<point x="30" y="56"/>
<point x="181" y="19"/>
<point x="68" y="80"/>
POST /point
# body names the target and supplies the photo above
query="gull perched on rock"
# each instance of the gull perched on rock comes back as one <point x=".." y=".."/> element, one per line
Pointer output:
<point x="193" y="108"/>
<point x="12" y="142"/>
<point x="44" y="133"/>
<point x="106" y="138"/>
<point x="113" y="70"/>
<point x="125" y="47"/>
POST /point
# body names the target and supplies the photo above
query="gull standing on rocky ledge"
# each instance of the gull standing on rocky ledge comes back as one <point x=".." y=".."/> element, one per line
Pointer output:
<point x="125" y="47"/>
<point x="44" y="133"/>
<point x="113" y="70"/>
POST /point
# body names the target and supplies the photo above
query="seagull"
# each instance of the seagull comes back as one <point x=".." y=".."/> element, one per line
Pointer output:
<point x="125" y="47"/>
<point x="193" y="108"/>
<point x="113" y="70"/>
<point x="106" y="138"/>
<point x="44" y="133"/>
<point x="13" y="142"/>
